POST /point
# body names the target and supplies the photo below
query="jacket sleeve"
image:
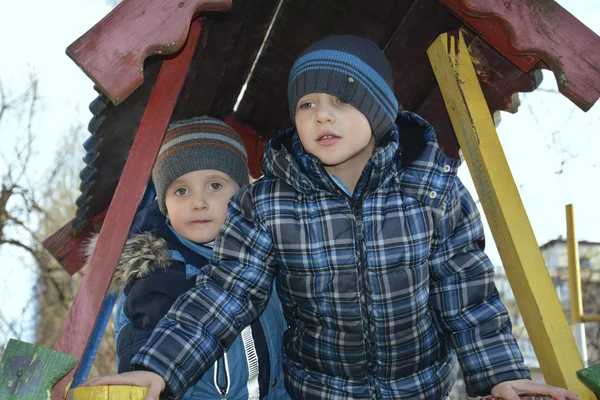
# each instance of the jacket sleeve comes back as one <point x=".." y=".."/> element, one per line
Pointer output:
<point x="148" y="301"/>
<point x="465" y="300"/>
<point x="204" y="322"/>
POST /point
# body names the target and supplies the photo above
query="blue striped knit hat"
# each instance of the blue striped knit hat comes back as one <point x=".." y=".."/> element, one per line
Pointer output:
<point x="197" y="144"/>
<point x="351" y="68"/>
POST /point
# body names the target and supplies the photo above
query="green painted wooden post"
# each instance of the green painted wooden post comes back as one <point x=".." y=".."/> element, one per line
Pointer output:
<point x="28" y="372"/>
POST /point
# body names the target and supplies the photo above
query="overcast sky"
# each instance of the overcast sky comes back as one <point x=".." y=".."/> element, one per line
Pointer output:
<point x="35" y="34"/>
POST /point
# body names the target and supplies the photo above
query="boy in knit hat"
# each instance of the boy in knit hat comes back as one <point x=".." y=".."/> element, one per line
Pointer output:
<point x="376" y="246"/>
<point x="202" y="162"/>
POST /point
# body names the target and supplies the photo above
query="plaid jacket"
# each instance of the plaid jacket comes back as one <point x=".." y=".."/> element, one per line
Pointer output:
<point x="382" y="290"/>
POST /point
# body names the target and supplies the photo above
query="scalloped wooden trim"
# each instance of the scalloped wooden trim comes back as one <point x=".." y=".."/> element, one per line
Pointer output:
<point x="113" y="51"/>
<point x="87" y="303"/>
<point x="542" y="29"/>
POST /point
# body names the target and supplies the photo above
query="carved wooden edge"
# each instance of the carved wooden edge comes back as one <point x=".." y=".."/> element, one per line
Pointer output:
<point x="113" y="51"/>
<point x="500" y="94"/>
<point x="28" y="371"/>
<point x="68" y="249"/>
<point x="88" y="300"/>
<point x="542" y="29"/>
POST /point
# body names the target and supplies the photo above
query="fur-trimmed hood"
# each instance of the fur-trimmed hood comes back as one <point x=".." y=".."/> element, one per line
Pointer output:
<point x="142" y="255"/>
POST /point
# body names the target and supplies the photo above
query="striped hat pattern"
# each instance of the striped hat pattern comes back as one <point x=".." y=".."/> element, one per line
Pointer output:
<point x="196" y="144"/>
<point x="351" y="68"/>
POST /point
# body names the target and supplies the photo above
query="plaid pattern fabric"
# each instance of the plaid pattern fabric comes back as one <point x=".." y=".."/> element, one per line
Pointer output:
<point x="382" y="291"/>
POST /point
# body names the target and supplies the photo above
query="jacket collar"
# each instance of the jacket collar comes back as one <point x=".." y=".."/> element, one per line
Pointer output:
<point x="408" y="152"/>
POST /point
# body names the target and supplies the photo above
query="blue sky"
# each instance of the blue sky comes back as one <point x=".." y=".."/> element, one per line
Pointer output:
<point x="36" y="33"/>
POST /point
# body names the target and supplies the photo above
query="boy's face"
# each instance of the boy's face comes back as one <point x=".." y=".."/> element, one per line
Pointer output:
<point x="335" y="132"/>
<point x="197" y="203"/>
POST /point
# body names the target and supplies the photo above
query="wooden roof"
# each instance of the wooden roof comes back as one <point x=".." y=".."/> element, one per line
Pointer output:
<point x="229" y="50"/>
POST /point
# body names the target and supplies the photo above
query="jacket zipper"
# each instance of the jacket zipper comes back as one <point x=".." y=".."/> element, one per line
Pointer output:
<point x="356" y="208"/>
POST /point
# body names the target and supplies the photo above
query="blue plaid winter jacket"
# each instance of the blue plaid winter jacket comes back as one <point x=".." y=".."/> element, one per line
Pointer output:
<point x="383" y="290"/>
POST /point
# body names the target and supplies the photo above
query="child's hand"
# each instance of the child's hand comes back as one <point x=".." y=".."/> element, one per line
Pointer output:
<point x="154" y="382"/>
<point x="510" y="390"/>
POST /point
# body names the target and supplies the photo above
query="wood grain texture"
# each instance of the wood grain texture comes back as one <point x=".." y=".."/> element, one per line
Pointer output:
<point x="540" y="29"/>
<point x="108" y="393"/>
<point x="28" y="372"/>
<point x="94" y="285"/>
<point x="68" y="249"/>
<point x="113" y="51"/>
<point x="546" y="324"/>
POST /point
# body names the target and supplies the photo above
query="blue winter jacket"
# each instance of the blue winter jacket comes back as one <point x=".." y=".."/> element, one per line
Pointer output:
<point x="154" y="270"/>
<point x="383" y="289"/>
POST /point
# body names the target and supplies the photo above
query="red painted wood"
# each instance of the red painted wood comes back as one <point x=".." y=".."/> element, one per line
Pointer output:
<point x="113" y="51"/>
<point x="254" y="143"/>
<point x="544" y="29"/>
<point x="94" y="285"/>
<point x="492" y="31"/>
<point x="67" y="249"/>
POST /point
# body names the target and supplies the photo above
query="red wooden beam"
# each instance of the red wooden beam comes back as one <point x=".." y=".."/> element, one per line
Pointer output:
<point x="130" y="189"/>
<point x="113" y="51"/>
<point x="524" y="31"/>
<point x="67" y="249"/>
<point x="254" y="143"/>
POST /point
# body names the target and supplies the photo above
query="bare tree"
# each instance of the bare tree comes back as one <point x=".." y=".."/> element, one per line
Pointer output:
<point x="34" y="205"/>
<point x="18" y="206"/>
<point x="559" y="138"/>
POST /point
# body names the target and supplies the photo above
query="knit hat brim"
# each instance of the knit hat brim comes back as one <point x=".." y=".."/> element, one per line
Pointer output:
<point x="199" y="144"/>
<point x="351" y="68"/>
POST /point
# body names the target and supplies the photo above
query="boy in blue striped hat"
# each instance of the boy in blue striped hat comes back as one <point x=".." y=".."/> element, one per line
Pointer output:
<point x="376" y="246"/>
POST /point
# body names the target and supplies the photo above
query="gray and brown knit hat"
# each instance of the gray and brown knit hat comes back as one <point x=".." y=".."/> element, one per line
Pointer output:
<point x="351" y="68"/>
<point x="196" y="144"/>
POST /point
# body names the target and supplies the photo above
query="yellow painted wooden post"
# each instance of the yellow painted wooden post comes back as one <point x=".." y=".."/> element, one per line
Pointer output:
<point x="542" y="313"/>
<point x="108" y="393"/>
<point x="573" y="264"/>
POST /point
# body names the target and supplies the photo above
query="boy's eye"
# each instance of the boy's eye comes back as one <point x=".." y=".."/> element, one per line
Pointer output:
<point x="182" y="191"/>
<point x="215" y="186"/>
<point x="340" y="101"/>
<point x="305" y="105"/>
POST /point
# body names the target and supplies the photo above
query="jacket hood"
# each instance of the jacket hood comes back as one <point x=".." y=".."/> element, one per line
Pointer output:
<point x="142" y="255"/>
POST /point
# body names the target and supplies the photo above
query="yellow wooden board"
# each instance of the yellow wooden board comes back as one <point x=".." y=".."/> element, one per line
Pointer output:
<point x="108" y="393"/>
<point x="542" y="313"/>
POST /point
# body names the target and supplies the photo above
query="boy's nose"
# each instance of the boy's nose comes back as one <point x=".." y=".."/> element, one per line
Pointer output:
<point x="324" y="114"/>
<point x="200" y="202"/>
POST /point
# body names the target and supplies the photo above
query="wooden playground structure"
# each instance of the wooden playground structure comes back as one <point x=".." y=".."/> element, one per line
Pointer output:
<point x="455" y="62"/>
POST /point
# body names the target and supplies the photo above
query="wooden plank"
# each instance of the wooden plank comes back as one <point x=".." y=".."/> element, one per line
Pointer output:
<point x="544" y="29"/>
<point x="264" y="106"/>
<point x="492" y="31"/>
<point x="28" y="372"/>
<point x="591" y="378"/>
<point x="500" y="81"/>
<point x="94" y="285"/>
<point x="378" y="23"/>
<point x="531" y="283"/>
<point x="254" y="143"/>
<point x="406" y="50"/>
<point x="249" y="41"/>
<point x="113" y="51"/>
<point x="68" y="249"/>
<point x="573" y="264"/>
<point x="229" y="46"/>
<point x="109" y="393"/>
